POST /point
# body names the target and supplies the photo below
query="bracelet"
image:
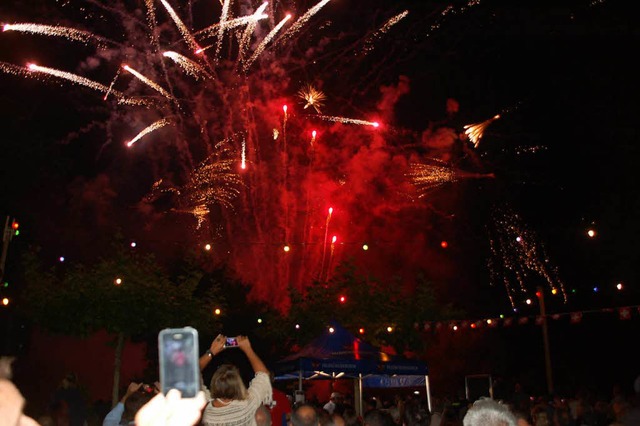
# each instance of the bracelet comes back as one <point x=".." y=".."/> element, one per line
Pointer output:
<point x="208" y="352"/>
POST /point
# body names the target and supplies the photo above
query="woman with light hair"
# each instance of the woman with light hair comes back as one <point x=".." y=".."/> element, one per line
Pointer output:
<point x="231" y="403"/>
<point x="488" y="412"/>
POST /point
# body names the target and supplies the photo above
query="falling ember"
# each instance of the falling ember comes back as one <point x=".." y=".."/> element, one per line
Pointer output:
<point x="313" y="137"/>
<point x="475" y="131"/>
<point x="313" y="97"/>
<point x="158" y="124"/>
<point x="148" y="82"/>
<point x="346" y="120"/>
<point x="55" y="31"/>
<point x="276" y="133"/>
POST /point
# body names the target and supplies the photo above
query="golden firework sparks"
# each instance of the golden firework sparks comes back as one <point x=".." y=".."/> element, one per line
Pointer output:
<point x="475" y="131"/>
<point x="313" y="97"/>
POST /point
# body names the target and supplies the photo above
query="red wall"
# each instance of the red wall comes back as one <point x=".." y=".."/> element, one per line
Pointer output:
<point x="49" y="358"/>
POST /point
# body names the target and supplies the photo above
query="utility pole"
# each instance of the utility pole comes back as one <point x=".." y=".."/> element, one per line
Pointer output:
<point x="7" y="235"/>
<point x="545" y="338"/>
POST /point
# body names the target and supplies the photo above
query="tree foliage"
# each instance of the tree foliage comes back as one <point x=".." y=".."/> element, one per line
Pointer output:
<point x="368" y="303"/>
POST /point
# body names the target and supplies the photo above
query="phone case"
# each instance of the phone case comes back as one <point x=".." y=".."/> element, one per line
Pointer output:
<point x="178" y="359"/>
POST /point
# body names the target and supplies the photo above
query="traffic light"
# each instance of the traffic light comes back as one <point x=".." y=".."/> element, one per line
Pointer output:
<point x="15" y="226"/>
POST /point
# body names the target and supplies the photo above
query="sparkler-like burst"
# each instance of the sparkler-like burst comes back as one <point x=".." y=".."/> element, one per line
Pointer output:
<point x="228" y="81"/>
<point x="434" y="173"/>
<point x="313" y="97"/>
<point x="475" y="131"/>
<point x="518" y="258"/>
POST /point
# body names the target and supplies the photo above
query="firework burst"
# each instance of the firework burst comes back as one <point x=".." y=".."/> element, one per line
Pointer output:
<point x="312" y="97"/>
<point x="236" y="95"/>
<point x="518" y="258"/>
<point x="475" y="131"/>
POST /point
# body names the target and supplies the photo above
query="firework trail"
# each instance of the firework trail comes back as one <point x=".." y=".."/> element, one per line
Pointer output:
<point x="435" y="173"/>
<point x="190" y="67"/>
<point x="223" y="20"/>
<point x="148" y="82"/>
<point x="82" y="81"/>
<point x="56" y="31"/>
<point x="304" y="19"/>
<point x="106" y="95"/>
<point x="346" y="120"/>
<point x="155" y="126"/>
<point x="263" y="44"/>
<point x="516" y="254"/>
<point x="248" y="31"/>
<point x="188" y="37"/>
<point x="369" y="43"/>
<point x="475" y="131"/>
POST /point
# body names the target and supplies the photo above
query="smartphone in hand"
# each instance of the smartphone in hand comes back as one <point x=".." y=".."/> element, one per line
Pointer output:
<point x="178" y="359"/>
<point x="231" y="342"/>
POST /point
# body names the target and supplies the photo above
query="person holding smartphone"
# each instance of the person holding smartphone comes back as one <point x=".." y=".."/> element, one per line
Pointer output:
<point x="230" y="401"/>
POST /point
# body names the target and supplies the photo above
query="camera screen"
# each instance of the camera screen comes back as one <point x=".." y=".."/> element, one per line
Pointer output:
<point x="231" y="341"/>
<point x="180" y="363"/>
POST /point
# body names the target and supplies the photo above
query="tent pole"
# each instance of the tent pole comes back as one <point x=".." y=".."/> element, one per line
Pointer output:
<point x="358" y="395"/>
<point x="428" y="389"/>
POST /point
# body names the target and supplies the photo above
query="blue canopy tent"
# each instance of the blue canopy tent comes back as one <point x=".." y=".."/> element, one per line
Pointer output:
<point x="339" y="354"/>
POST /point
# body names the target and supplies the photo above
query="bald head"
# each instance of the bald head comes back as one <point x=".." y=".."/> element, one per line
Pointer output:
<point x="304" y="414"/>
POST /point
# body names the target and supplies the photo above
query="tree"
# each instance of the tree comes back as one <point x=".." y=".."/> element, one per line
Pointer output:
<point x="360" y="301"/>
<point x="126" y="293"/>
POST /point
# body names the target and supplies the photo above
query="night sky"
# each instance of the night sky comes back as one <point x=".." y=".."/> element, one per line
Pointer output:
<point x="561" y="158"/>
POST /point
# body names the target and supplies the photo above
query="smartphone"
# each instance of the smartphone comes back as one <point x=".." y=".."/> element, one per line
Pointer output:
<point x="231" y="342"/>
<point x="178" y="356"/>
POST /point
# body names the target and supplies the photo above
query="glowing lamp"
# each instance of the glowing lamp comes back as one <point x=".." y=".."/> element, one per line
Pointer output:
<point x="286" y="248"/>
<point x="259" y="320"/>
<point x="297" y="326"/>
<point x="444" y="244"/>
<point x="554" y="291"/>
<point x="61" y="259"/>
<point x="117" y="281"/>
<point x="361" y="330"/>
<point x="489" y="321"/>
<point x="518" y="239"/>
<point x="15" y="225"/>
<point x="528" y="301"/>
<point x="365" y="247"/>
<point x="217" y="311"/>
<point x="389" y="329"/>
<point x="207" y="247"/>
<point x="342" y="299"/>
<point x="331" y="330"/>
<point x="455" y="328"/>
<point x="473" y="325"/>
<point x="591" y="233"/>
<point x="5" y="301"/>
<point x="619" y="286"/>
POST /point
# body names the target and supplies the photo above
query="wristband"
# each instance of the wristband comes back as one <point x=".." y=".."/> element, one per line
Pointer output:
<point x="208" y="352"/>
